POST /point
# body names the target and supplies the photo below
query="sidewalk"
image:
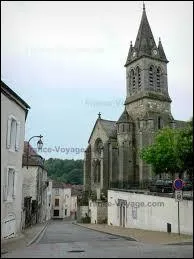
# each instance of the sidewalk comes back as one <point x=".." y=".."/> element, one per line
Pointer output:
<point x="140" y="235"/>
<point x="28" y="236"/>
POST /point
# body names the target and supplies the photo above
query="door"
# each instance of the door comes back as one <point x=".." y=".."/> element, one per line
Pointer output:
<point x="123" y="216"/>
<point x="9" y="227"/>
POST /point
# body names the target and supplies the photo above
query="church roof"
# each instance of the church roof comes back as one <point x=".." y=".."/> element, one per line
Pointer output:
<point x="180" y="124"/>
<point x="161" y="50"/>
<point x="145" y="43"/>
<point x="124" y="117"/>
<point x="109" y="127"/>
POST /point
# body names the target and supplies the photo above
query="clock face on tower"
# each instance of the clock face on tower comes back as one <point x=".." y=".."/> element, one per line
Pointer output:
<point x="155" y="52"/>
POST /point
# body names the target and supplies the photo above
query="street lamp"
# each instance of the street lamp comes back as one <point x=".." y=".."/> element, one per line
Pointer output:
<point x="39" y="146"/>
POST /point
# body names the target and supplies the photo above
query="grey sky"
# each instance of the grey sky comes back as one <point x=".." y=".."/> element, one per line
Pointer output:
<point x="66" y="60"/>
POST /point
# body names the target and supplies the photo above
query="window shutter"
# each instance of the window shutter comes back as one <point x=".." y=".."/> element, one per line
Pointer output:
<point x="8" y="132"/>
<point x="17" y="136"/>
<point x="5" y="183"/>
<point x="15" y="176"/>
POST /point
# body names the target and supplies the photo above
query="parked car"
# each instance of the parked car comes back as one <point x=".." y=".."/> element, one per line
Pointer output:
<point x="161" y="186"/>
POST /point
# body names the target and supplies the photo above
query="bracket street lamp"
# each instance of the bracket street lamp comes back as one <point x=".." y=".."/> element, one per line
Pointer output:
<point x="39" y="145"/>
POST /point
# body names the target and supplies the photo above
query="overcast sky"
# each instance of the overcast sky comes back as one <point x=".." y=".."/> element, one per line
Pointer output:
<point x="66" y="60"/>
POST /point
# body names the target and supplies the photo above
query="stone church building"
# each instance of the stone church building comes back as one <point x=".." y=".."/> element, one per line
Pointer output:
<point x="111" y="158"/>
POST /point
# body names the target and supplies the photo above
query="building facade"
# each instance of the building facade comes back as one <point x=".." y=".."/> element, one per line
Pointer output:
<point x="143" y="211"/>
<point x="35" y="187"/>
<point x="61" y="200"/>
<point x="111" y="158"/>
<point x="49" y="199"/>
<point x="13" y="117"/>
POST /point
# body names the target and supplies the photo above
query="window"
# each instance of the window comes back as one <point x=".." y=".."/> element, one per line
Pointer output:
<point x="56" y="202"/>
<point x="13" y="133"/>
<point x="158" y="75"/>
<point x="57" y="191"/>
<point x="56" y="213"/>
<point x="133" y="79"/>
<point x="159" y="123"/>
<point x="123" y="127"/>
<point x="139" y="77"/>
<point x="151" y="76"/>
<point x="11" y="184"/>
<point x="65" y="212"/>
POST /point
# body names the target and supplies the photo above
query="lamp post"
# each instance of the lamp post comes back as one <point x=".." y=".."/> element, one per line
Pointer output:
<point x="39" y="145"/>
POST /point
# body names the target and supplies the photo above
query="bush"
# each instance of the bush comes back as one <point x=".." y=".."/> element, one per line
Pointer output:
<point x="103" y="221"/>
<point x="86" y="219"/>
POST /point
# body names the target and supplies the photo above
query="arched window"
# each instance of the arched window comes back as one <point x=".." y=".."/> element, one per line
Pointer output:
<point x="138" y="77"/>
<point x="133" y="79"/>
<point x="151" y="72"/>
<point x="158" y="75"/>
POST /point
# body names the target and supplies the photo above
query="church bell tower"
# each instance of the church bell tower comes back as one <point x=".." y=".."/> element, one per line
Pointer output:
<point x="146" y="74"/>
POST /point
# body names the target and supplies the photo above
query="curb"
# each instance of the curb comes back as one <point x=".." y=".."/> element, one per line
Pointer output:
<point x="125" y="237"/>
<point x="181" y="243"/>
<point x="37" y="235"/>
<point x="133" y="239"/>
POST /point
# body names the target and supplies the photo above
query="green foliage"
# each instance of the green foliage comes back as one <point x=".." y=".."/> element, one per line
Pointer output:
<point x="68" y="171"/>
<point x="86" y="219"/>
<point x="171" y="151"/>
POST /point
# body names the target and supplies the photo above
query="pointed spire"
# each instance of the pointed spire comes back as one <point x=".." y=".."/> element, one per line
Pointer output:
<point x="129" y="54"/>
<point x="143" y="6"/>
<point x="145" y="41"/>
<point x="161" y="51"/>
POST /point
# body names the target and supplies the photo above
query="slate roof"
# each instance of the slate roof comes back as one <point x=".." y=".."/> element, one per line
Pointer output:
<point x="124" y="117"/>
<point x="34" y="159"/>
<point x="6" y="90"/>
<point x="180" y="124"/>
<point x="109" y="127"/>
<point x="145" y="43"/>
<point x="58" y="185"/>
<point x="76" y="190"/>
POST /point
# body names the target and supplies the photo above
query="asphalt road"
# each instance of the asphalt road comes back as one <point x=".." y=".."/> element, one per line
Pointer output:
<point x="65" y="240"/>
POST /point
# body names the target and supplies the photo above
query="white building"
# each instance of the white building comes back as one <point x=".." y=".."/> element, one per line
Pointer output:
<point x="61" y="200"/>
<point x="35" y="187"/>
<point x="141" y="211"/>
<point x="73" y="209"/>
<point x="13" y="117"/>
<point x="49" y="199"/>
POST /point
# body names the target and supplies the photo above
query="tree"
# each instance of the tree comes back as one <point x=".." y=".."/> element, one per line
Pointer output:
<point x="162" y="153"/>
<point x="75" y="176"/>
<point x="67" y="170"/>
<point x="185" y="147"/>
<point x="171" y="151"/>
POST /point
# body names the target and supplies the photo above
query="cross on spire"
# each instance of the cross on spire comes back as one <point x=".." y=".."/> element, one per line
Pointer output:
<point x="99" y="115"/>
<point x="143" y="6"/>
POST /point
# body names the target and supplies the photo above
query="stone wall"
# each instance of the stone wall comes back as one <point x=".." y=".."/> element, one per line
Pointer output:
<point x="150" y="212"/>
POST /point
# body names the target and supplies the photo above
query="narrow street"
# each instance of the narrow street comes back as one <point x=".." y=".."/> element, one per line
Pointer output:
<point x="66" y="240"/>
